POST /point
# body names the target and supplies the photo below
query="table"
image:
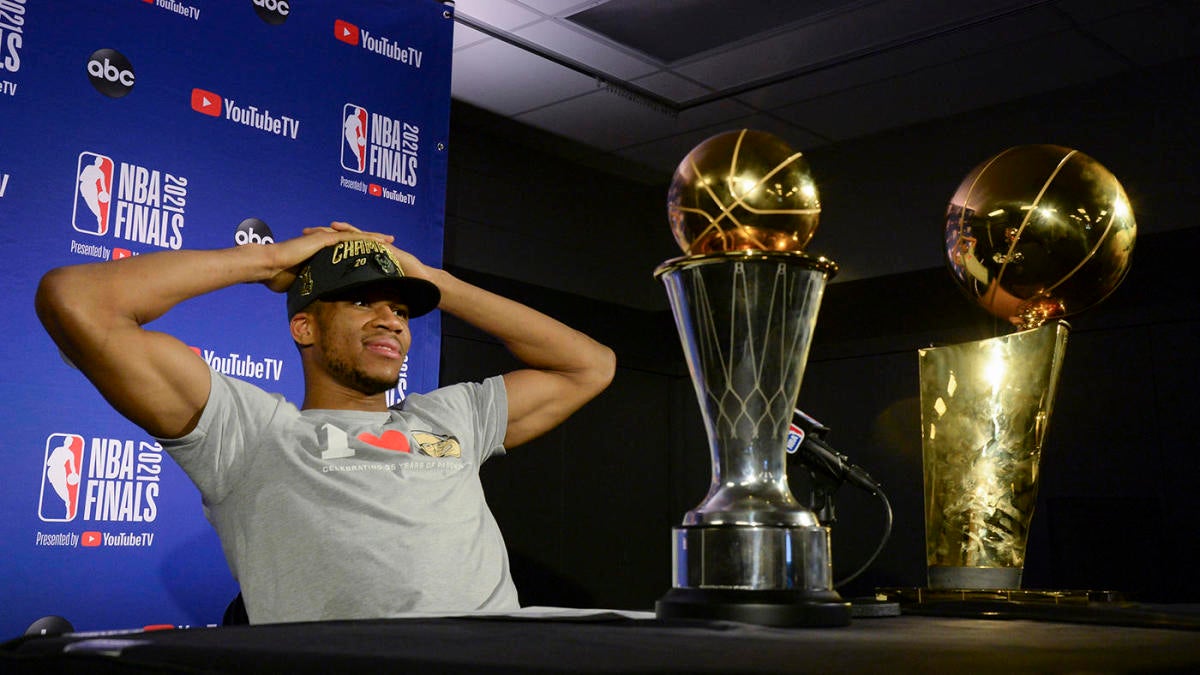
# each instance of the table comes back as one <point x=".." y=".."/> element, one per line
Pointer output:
<point x="607" y="642"/>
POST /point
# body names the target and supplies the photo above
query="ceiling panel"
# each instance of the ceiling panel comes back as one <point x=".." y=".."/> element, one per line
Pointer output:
<point x="831" y="70"/>
<point x="818" y="72"/>
<point x="564" y="40"/>
<point x="510" y="81"/>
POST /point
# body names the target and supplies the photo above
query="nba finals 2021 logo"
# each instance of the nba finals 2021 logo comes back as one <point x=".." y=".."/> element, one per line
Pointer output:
<point x="99" y="479"/>
<point x="383" y="148"/>
<point x="129" y="202"/>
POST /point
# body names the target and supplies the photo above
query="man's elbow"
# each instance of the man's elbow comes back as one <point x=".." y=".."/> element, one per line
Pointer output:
<point x="601" y="370"/>
<point x="62" y="305"/>
<point x="49" y="301"/>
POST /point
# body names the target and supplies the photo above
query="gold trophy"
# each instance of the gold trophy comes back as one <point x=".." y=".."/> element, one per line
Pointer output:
<point x="1033" y="234"/>
<point x="745" y="296"/>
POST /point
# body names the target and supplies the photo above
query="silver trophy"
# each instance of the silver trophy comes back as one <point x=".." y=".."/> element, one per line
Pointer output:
<point x="745" y="303"/>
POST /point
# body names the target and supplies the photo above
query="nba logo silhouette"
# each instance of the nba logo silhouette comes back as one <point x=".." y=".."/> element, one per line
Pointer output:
<point x="354" y="138"/>
<point x="61" y="471"/>
<point x="93" y="193"/>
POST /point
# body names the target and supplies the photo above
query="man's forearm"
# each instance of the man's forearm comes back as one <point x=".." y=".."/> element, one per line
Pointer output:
<point x="537" y="340"/>
<point x="145" y="287"/>
<point x="566" y="368"/>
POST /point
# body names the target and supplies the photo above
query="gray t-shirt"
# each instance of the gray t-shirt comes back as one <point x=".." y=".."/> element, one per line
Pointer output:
<point x="334" y="514"/>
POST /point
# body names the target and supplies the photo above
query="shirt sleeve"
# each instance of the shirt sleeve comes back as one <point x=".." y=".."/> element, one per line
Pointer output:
<point x="214" y="454"/>
<point x="479" y="408"/>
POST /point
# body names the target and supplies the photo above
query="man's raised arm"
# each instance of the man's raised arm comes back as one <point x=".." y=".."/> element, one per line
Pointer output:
<point x="95" y="313"/>
<point x="566" y="368"/>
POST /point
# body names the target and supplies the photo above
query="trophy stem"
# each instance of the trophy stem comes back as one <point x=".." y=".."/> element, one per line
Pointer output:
<point x="985" y="411"/>
<point x="749" y="551"/>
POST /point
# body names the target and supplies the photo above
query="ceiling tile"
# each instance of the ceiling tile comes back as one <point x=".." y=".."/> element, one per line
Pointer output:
<point x="904" y="60"/>
<point x="948" y="89"/>
<point x="671" y="86"/>
<point x="502" y="14"/>
<point x="626" y="124"/>
<point x="869" y="26"/>
<point x="506" y="80"/>
<point x="601" y="119"/>
<point x="465" y="36"/>
<point x="579" y="46"/>
<point x="1164" y="32"/>
<point x="558" y="7"/>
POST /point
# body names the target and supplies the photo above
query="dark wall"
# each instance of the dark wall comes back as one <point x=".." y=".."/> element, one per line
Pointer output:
<point x="587" y="510"/>
<point x="1115" y="504"/>
<point x="883" y="197"/>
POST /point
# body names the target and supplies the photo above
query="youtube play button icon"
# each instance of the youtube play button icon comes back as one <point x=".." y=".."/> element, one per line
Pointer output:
<point x="345" y="31"/>
<point x="206" y="103"/>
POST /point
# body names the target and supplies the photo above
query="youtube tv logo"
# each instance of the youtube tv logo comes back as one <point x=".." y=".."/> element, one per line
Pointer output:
<point x="375" y="189"/>
<point x="345" y="31"/>
<point x="90" y="539"/>
<point x="118" y="253"/>
<point x="206" y="103"/>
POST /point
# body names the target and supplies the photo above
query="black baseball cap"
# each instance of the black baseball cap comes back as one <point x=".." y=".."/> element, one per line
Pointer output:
<point x="355" y="263"/>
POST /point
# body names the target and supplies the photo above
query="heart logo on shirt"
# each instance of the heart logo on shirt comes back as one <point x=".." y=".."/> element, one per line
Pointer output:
<point x="390" y="440"/>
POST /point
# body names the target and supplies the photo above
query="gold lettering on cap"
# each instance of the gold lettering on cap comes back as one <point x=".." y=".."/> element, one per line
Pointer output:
<point x="357" y="247"/>
<point x="306" y="282"/>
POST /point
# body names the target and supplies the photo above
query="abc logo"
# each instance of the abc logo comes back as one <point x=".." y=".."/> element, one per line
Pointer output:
<point x="110" y="73"/>
<point x="273" y="12"/>
<point x="253" y="231"/>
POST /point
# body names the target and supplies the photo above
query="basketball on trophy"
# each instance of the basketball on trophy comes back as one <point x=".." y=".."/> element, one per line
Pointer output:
<point x="1039" y="232"/>
<point x="743" y="190"/>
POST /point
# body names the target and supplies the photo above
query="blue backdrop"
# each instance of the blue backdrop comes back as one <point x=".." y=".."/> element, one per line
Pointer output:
<point x="129" y="127"/>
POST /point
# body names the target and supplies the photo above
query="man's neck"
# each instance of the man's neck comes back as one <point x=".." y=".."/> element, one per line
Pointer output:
<point x="328" y="395"/>
<point x="360" y="402"/>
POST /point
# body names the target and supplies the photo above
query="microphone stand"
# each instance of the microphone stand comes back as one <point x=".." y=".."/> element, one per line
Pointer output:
<point x="829" y="470"/>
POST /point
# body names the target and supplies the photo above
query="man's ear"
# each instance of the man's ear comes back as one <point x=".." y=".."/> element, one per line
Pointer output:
<point x="302" y="327"/>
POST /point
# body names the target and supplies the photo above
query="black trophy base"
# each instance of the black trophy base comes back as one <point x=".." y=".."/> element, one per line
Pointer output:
<point x="782" y="608"/>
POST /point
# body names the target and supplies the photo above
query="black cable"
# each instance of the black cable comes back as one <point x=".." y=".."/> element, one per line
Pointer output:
<point x="830" y="469"/>
<point x="887" y="533"/>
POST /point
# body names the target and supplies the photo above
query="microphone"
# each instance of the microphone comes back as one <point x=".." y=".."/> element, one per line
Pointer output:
<point x="805" y="441"/>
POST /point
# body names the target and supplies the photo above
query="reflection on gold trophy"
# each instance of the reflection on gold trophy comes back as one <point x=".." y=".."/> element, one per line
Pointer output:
<point x="1033" y="234"/>
<point x="743" y="206"/>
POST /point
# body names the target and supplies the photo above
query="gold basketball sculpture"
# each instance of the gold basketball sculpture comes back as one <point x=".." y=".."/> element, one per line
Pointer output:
<point x="743" y="190"/>
<point x="1039" y="232"/>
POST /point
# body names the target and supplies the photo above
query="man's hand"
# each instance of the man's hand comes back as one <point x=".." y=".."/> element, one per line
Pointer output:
<point x="287" y="257"/>
<point x="565" y="368"/>
<point x="409" y="264"/>
<point x="96" y="312"/>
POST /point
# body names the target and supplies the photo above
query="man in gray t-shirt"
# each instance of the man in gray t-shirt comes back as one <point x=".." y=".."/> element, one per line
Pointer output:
<point x="340" y="508"/>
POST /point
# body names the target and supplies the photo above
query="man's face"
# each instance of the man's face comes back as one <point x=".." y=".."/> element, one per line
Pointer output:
<point x="361" y="338"/>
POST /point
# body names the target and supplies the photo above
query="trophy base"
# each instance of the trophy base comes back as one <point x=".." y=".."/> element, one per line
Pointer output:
<point x="942" y="576"/>
<point x="908" y="597"/>
<point x="781" y="608"/>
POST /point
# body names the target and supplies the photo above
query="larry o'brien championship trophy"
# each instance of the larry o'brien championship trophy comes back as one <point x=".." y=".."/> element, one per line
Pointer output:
<point x="1033" y="234"/>
<point x="743" y="206"/>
